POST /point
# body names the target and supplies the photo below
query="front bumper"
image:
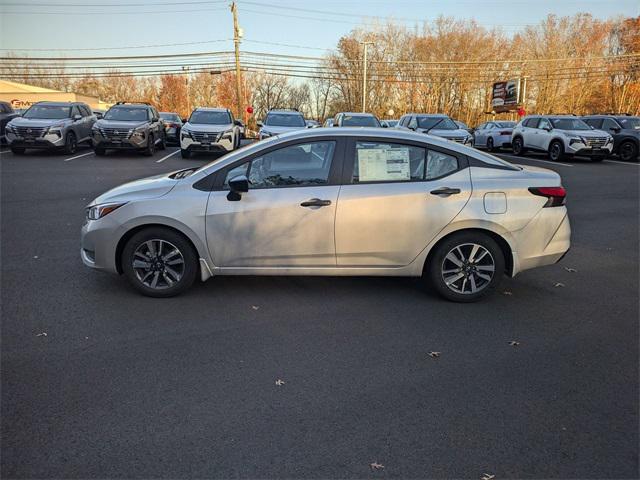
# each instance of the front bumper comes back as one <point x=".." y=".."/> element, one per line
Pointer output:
<point x="129" y="143"/>
<point x="583" y="150"/>
<point x="98" y="240"/>
<point x="46" y="142"/>
<point x="222" y="145"/>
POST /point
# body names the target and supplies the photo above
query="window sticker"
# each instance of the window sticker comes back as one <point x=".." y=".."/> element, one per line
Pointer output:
<point x="380" y="164"/>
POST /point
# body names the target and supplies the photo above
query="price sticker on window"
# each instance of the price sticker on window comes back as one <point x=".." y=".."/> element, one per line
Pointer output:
<point x="384" y="164"/>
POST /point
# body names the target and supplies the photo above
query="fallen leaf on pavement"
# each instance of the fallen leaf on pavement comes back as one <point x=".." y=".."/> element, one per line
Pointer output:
<point x="43" y="334"/>
<point x="514" y="343"/>
<point x="434" y="354"/>
<point x="35" y="256"/>
<point x="486" y="476"/>
<point x="279" y="382"/>
<point x="376" y="466"/>
<point x="507" y="292"/>
<point x="559" y="284"/>
<point x="255" y="307"/>
<point x="570" y="270"/>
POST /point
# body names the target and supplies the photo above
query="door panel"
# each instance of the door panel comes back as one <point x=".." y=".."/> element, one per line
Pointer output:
<point x="269" y="228"/>
<point x="388" y="224"/>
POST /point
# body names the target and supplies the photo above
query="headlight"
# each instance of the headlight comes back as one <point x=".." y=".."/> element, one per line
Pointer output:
<point x="10" y="128"/>
<point x="609" y="140"/>
<point x="138" y="132"/>
<point x="468" y="140"/>
<point x="98" y="211"/>
<point x="575" y="139"/>
<point x="227" y="134"/>
<point x="185" y="132"/>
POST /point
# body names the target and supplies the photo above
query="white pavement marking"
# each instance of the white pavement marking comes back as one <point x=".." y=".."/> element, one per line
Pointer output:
<point x="170" y="155"/>
<point x="535" y="160"/>
<point x="622" y="163"/>
<point x="78" y="156"/>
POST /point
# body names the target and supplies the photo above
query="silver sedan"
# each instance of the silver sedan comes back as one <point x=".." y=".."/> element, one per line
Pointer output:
<point x="331" y="201"/>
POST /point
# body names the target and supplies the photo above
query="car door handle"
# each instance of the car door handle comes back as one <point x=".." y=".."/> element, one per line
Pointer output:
<point x="445" y="191"/>
<point x="316" y="202"/>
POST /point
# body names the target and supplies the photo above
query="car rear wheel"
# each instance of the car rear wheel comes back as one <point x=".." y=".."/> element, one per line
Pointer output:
<point x="466" y="266"/>
<point x="518" y="146"/>
<point x="18" y="150"/>
<point x="163" y="142"/>
<point x="151" y="146"/>
<point x="71" y="143"/>
<point x="556" y="151"/>
<point x="185" y="153"/>
<point x="490" y="146"/>
<point x="628" y="151"/>
<point x="159" y="262"/>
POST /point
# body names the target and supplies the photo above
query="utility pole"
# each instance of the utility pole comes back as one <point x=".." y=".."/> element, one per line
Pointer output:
<point x="237" y="35"/>
<point x="524" y="92"/>
<point x="364" y="76"/>
<point x="186" y="82"/>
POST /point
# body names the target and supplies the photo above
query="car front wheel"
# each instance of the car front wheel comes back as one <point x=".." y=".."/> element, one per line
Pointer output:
<point x="518" y="146"/>
<point x="490" y="146"/>
<point x="159" y="262"/>
<point x="71" y="143"/>
<point x="556" y="151"/>
<point x="466" y="266"/>
<point x="151" y="146"/>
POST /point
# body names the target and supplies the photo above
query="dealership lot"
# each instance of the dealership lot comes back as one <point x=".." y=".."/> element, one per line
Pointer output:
<point x="127" y="386"/>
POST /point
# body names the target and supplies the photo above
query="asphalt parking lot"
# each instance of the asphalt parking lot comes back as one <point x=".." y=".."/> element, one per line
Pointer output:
<point x="98" y="381"/>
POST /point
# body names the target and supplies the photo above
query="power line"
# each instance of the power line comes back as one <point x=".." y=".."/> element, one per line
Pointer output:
<point x="115" y="48"/>
<point x="137" y="12"/>
<point x="147" y="4"/>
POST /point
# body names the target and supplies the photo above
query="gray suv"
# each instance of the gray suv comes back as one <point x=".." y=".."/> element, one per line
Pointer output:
<point x="51" y="125"/>
<point x="129" y="126"/>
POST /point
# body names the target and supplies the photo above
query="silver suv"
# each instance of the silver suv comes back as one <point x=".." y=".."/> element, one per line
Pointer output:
<point x="280" y="121"/>
<point x="560" y="136"/>
<point x="51" y="125"/>
<point x="436" y="124"/>
<point x="210" y="130"/>
<point x="129" y="126"/>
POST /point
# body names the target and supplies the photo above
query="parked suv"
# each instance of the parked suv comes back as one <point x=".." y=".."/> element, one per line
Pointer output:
<point x="352" y="119"/>
<point x="6" y="114"/>
<point x="438" y="125"/>
<point x="625" y="131"/>
<point x="280" y="121"/>
<point x="560" y="136"/>
<point x="210" y="130"/>
<point x="129" y="126"/>
<point x="51" y="125"/>
<point x="172" y="126"/>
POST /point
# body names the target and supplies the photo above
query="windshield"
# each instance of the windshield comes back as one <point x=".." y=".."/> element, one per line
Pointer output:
<point x="630" y="122"/>
<point x="125" y="114"/>
<point x="169" y="116"/>
<point x="48" y="112"/>
<point x="210" y="118"/>
<point x="506" y="124"/>
<point x="360" y="121"/>
<point x="392" y="123"/>
<point x="441" y="123"/>
<point x="569" y="124"/>
<point x="284" y="120"/>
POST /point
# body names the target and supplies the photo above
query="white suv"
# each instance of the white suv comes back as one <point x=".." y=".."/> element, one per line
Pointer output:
<point x="560" y="136"/>
<point x="210" y="130"/>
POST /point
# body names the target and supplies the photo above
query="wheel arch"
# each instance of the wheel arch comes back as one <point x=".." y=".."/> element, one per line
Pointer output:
<point x="504" y="245"/>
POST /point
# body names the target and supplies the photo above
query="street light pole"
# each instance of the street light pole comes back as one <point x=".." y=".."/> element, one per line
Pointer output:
<point x="364" y="76"/>
<point x="186" y="81"/>
<point x="237" y="35"/>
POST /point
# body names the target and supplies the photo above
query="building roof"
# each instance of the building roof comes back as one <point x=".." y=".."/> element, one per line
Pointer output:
<point x="14" y="87"/>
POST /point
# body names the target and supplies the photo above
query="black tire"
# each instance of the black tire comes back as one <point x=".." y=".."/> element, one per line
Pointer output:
<point x="150" y="149"/>
<point x="518" y="146"/>
<point x="18" y="150"/>
<point x="185" y="153"/>
<point x="187" y="270"/>
<point x="163" y="142"/>
<point x="556" y="151"/>
<point x="456" y="291"/>
<point x="100" y="151"/>
<point x="490" y="146"/>
<point x="70" y="143"/>
<point x="628" y="151"/>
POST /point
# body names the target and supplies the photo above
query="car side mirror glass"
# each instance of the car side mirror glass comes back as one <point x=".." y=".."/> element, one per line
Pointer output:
<point x="237" y="186"/>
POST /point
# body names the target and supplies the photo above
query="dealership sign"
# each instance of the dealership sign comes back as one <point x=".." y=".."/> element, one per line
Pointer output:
<point x="504" y="95"/>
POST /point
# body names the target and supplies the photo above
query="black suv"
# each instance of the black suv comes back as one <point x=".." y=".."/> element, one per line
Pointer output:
<point x="131" y="126"/>
<point x="6" y="114"/>
<point x="625" y="131"/>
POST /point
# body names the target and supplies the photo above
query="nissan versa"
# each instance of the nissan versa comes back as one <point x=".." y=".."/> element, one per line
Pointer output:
<point x="334" y="202"/>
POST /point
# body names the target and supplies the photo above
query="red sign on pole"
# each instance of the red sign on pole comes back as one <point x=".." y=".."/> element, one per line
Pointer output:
<point x="249" y="109"/>
<point x="521" y="112"/>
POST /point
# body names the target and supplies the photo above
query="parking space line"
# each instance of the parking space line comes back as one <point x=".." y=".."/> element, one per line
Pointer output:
<point x="535" y="160"/>
<point x="622" y="163"/>
<point x="78" y="156"/>
<point x="170" y="155"/>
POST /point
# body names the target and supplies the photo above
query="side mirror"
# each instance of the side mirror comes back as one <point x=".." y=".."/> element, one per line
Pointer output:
<point x="615" y="129"/>
<point x="548" y="129"/>
<point x="238" y="185"/>
<point x="184" y="120"/>
<point x="77" y="117"/>
<point x="155" y="119"/>
<point x="238" y="123"/>
<point x="260" y="124"/>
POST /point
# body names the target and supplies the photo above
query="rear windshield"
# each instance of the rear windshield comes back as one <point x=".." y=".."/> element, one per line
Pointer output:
<point x="125" y="114"/>
<point x="437" y="123"/>
<point x="48" y="112"/>
<point x="493" y="160"/>
<point x="506" y="124"/>
<point x="569" y="124"/>
<point x="284" y="120"/>
<point x="360" y="121"/>
<point x="169" y="116"/>
<point x="210" y="118"/>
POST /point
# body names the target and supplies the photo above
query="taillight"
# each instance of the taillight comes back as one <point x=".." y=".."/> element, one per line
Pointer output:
<point x="555" y="195"/>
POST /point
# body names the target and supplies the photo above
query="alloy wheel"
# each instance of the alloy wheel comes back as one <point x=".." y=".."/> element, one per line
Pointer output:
<point x="556" y="151"/>
<point x="468" y="268"/>
<point x="158" y="264"/>
<point x="627" y="151"/>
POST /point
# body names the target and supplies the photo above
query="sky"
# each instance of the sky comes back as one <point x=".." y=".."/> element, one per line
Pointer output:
<point x="110" y="27"/>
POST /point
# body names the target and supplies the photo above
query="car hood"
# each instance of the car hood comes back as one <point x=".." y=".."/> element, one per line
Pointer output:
<point x="203" y="127"/>
<point x="586" y="133"/>
<point x="143" y="189"/>
<point x="125" y="125"/>
<point x="37" y="122"/>
<point x="446" y="133"/>
<point x="277" y="130"/>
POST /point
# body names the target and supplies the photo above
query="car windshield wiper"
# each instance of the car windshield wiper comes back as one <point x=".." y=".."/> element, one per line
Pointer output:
<point x="434" y="125"/>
